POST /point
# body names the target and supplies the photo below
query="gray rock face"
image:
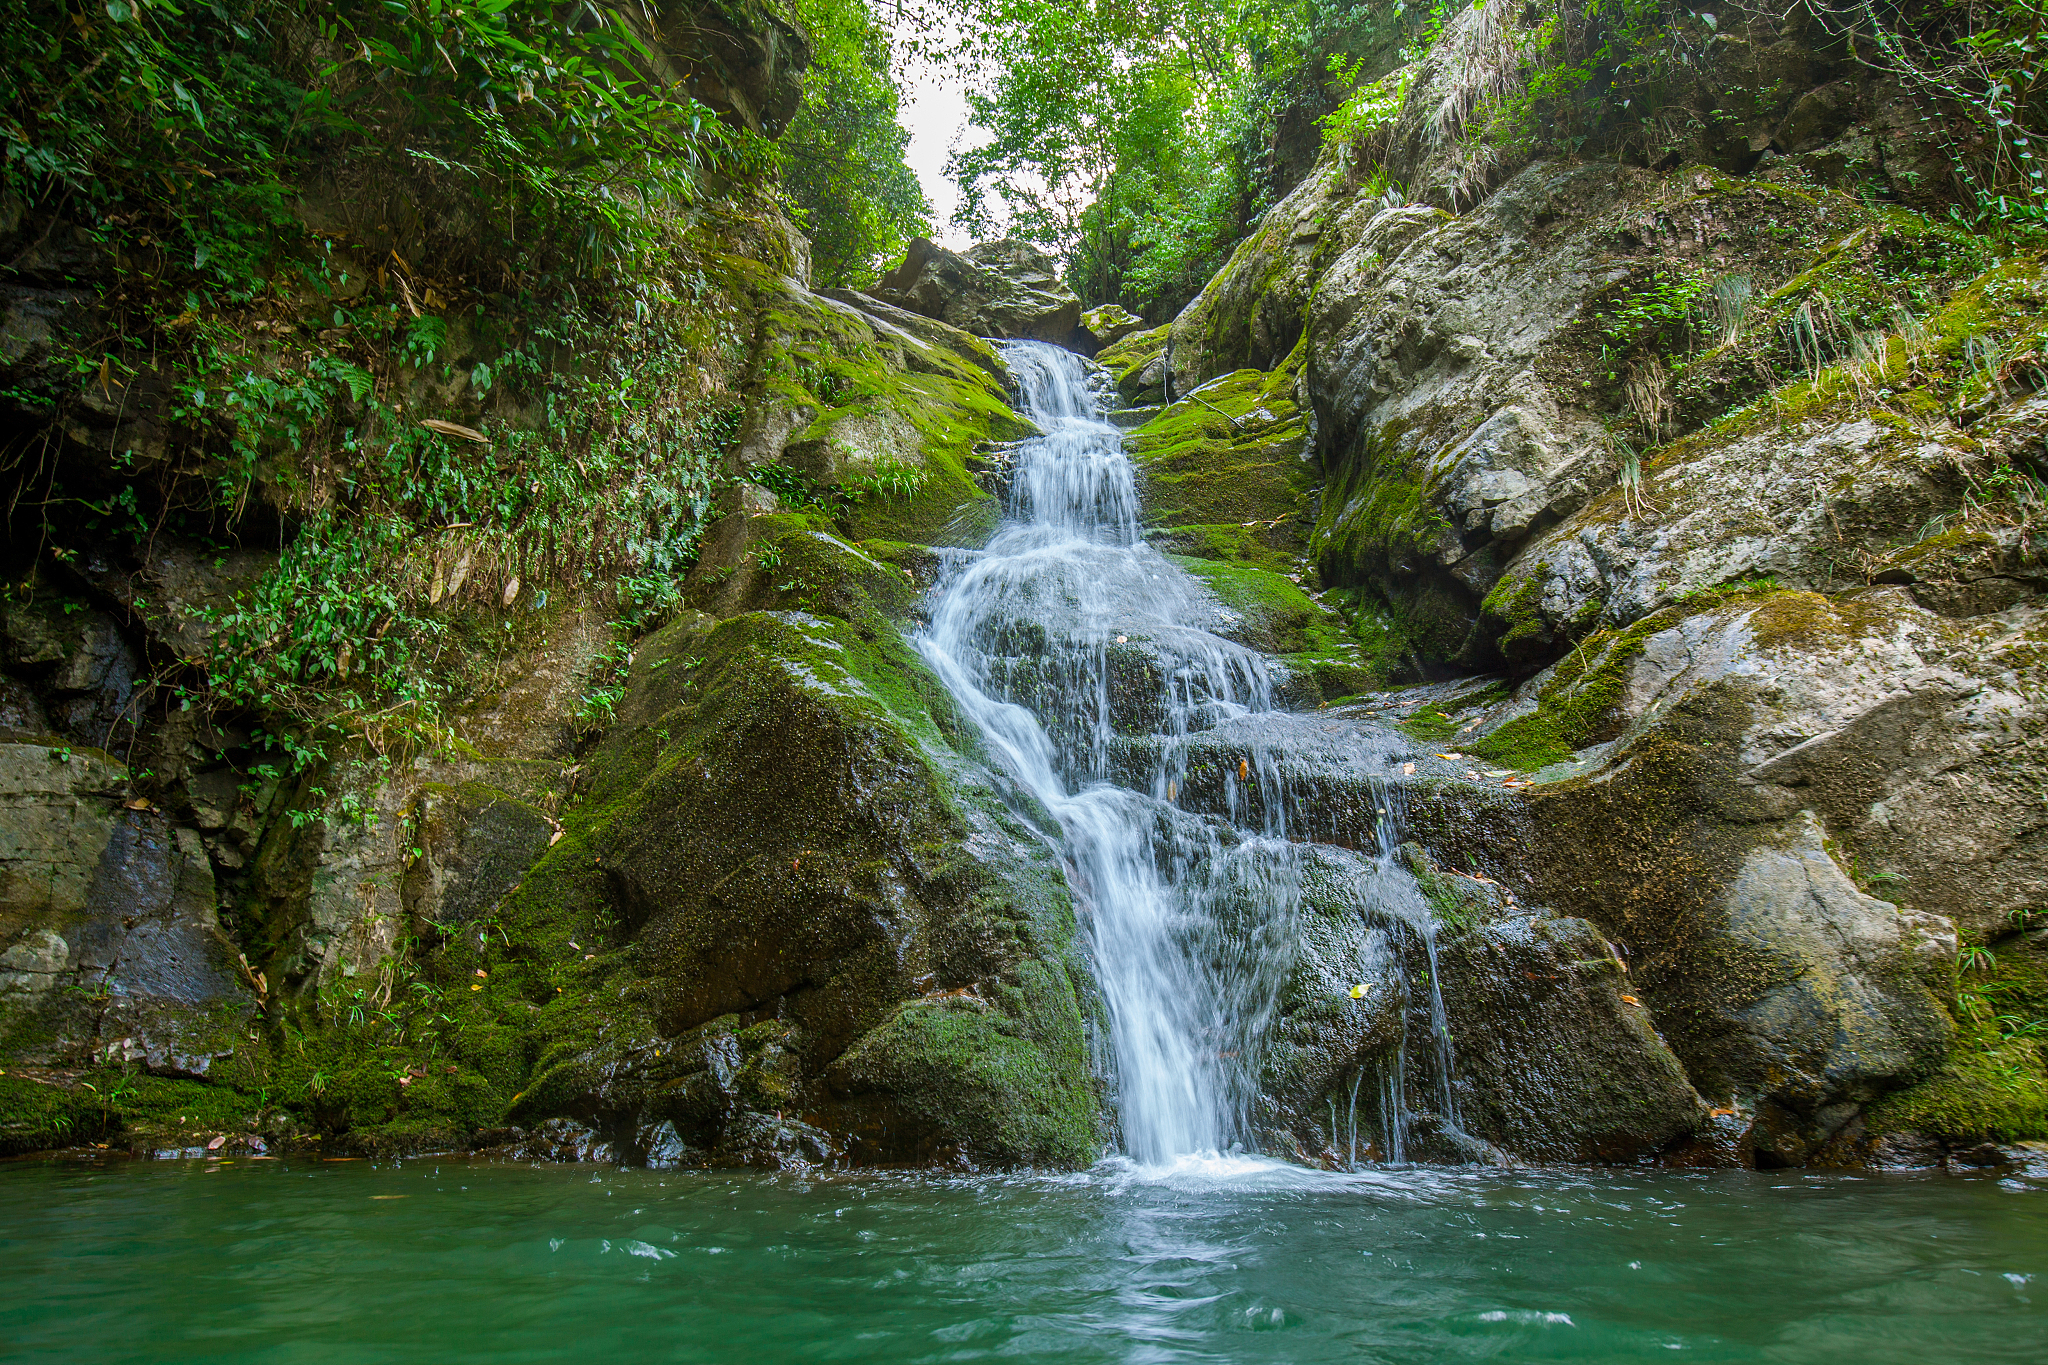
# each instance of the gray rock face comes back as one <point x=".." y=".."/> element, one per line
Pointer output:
<point x="1506" y="1032"/>
<point x="1802" y="801"/>
<point x="84" y="665"/>
<point x="1447" y="443"/>
<point x="1906" y="755"/>
<point x="1557" y="1055"/>
<point x="1005" y="289"/>
<point x="475" y="843"/>
<point x="1797" y="505"/>
<point x="110" y="947"/>
<point x="1840" y="1004"/>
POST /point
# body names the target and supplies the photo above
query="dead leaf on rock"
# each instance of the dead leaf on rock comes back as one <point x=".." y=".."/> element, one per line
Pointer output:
<point x="455" y="429"/>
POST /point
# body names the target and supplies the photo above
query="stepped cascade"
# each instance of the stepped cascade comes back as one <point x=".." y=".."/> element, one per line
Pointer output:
<point x="1063" y="637"/>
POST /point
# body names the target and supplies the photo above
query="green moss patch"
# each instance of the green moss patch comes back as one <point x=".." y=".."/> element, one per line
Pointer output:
<point x="1576" y="707"/>
<point x="1127" y="358"/>
<point x="957" y="1068"/>
<point x="1229" y="458"/>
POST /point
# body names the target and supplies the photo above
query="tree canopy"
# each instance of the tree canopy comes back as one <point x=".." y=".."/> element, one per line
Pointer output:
<point x="842" y="156"/>
<point x="1138" y="138"/>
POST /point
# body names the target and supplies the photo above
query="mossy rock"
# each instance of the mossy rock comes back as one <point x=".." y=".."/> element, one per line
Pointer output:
<point x="881" y="421"/>
<point x="1224" y="473"/>
<point x="1137" y="365"/>
<point x="952" y="1079"/>
<point x="38" y="1115"/>
<point x="792" y="835"/>
<point x="1994" y="1086"/>
<point x="1269" y="612"/>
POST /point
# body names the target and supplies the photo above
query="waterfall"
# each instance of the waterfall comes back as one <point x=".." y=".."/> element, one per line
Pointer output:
<point x="1083" y="656"/>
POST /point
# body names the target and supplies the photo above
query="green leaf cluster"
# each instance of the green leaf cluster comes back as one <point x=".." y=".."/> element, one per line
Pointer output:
<point x="842" y="156"/>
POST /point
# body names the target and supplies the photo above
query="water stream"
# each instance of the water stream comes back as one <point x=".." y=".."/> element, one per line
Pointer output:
<point x="1079" y="649"/>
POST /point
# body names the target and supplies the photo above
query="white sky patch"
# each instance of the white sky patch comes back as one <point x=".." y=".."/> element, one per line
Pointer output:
<point x="933" y="108"/>
<point x="935" y="113"/>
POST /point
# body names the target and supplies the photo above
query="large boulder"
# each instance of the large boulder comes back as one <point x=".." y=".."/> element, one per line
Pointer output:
<point x="1005" y="289"/>
<point x="1427" y="1015"/>
<point x="835" y="917"/>
<point x="1784" y="808"/>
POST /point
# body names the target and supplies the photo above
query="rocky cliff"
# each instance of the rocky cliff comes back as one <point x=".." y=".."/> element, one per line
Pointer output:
<point x="1661" y="518"/>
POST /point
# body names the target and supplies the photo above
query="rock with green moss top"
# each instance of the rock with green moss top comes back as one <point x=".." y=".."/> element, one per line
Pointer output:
<point x="1270" y="612"/>
<point x="792" y="564"/>
<point x="38" y="1114"/>
<point x="1814" y="487"/>
<point x="794" y="837"/>
<point x="1109" y="324"/>
<point x="1482" y="381"/>
<point x="1226" y="472"/>
<point x="1137" y="366"/>
<point x="852" y="416"/>
<point x="1796" y="508"/>
<point x="952" y="1077"/>
<point x="1791" y="805"/>
<point x="1968" y="572"/>
<point x="1994" y="1086"/>
<point x="930" y="331"/>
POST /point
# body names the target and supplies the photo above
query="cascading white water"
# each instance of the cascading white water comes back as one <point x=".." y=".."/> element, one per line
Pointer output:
<point x="1066" y="639"/>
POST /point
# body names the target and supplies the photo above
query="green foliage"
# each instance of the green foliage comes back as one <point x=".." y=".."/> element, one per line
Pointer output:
<point x="295" y="362"/>
<point x="1664" y="305"/>
<point x="562" y="117"/>
<point x="1135" y="139"/>
<point x="1982" y="62"/>
<point x="1369" y="110"/>
<point x="842" y="155"/>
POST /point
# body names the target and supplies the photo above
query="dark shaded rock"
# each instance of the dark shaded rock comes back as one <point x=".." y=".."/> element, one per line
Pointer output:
<point x="1557" y="1058"/>
<point x="81" y="664"/>
<point x="112" y="947"/>
<point x="474" y="843"/>
<point x="21" y="714"/>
